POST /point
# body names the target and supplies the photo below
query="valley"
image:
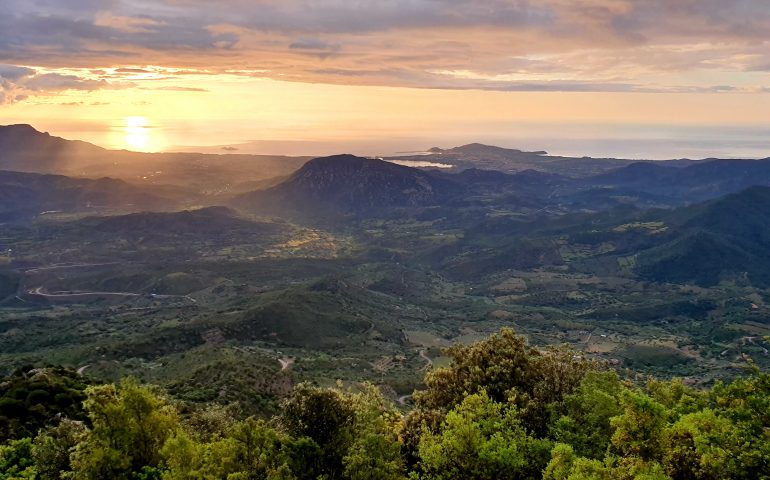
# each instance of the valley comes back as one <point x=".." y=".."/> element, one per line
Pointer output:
<point x="355" y="269"/>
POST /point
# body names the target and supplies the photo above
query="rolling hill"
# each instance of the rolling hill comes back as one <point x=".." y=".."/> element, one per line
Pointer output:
<point x="206" y="221"/>
<point x="703" y="244"/>
<point x="695" y="183"/>
<point x="725" y="238"/>
<point x="24" y="195"/>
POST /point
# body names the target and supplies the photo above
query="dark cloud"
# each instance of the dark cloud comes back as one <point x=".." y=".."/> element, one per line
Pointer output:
<point x="314" y="47"/>
<point x="13" y="73"/>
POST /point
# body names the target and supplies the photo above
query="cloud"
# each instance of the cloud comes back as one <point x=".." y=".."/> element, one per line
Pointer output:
<point x="52" y="82"/>
<point x="12" y="72"/>
<point x="132" y="70"/>
<point x="508" y="45"/>
<point x="137" y="24"/>
<point x="19" y="83"/>
<point x="174" y="88"/>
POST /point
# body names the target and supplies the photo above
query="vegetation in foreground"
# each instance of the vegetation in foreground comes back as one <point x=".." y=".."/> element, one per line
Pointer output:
<point x="500" y="410"/>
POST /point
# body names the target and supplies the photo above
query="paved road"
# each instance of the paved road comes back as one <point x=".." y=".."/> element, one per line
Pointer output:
<point x="43" y="293"/>
<point x="69" y="265"/>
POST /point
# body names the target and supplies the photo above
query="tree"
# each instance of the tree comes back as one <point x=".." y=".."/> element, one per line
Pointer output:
<point x="32" y="398"/>
<point x="566" y="465"/>
<point x="53" y="446"/>
<point x="585" y="422"/>
<point x="255" y="448"/>
<point x="325" y="417"/>
<point x="745" y="402"/>
<point x="375" y="452"/>
<point x="16" y="461"/>
<point x="505" y="367"/>
<point x="303" y="457"/>
<point x="130" y="425"/>
<point x="698" y="447"/>
<point x="639" y="429"/>
<point x="484" y="440"/>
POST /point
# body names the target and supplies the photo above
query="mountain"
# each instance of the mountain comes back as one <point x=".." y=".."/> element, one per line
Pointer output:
<point x="479" y="149"/>
<point x="695" y="183"/>
<point x="346" y="184"/>
<point x="488" y="157"/>
<point x="24" y="149"/>
<point x="727" y="238"/>
<point x="28" y="194"/>
<point x="27" y="150"/>
<point x="635" y="175"/>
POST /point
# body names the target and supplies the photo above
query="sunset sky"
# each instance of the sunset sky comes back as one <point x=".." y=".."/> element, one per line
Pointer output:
<point x="636" y="78"/>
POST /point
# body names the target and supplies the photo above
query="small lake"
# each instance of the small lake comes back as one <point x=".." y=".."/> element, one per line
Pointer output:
<point x="420" y="164"/>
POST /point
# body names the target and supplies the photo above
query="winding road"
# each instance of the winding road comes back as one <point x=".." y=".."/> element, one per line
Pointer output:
<point x="68" y="265"/>
<point x="427" y="359"/>
<point x="41" y="291"/>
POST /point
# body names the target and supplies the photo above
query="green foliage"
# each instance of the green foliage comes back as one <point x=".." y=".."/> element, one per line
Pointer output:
<point x="746" y="404"/>
<point x="699" y="446"/>
<point x="585" y="422"/>
<point x="375" y="452"/>
<point x="31" y="398"/>
<point x="130" y="424"/>
<point x="552" y="416"/>
<point x="325" y="417"/>
<point x="505" y="367"/>
<point x="639" y="429"/>
<point x="254" y="447"/>
<point x="249" y="449"/>
<point x="53" y="446"/>
<point x="566" y="465"/>
<point x="482" y="439"/>
<point x="16" y="461"/>
<point x="323" y="433"/>
<point x="674" y="432"/>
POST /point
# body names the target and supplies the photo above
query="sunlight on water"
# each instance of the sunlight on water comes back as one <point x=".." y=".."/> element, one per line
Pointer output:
<point x="137" y="133"/>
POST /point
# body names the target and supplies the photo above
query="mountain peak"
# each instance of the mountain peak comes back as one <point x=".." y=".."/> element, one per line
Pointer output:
<point x="20" y="128"/>
<point x="26" y="149"/>
<point x="341" y="159"/>
<point x="350" y="184"/>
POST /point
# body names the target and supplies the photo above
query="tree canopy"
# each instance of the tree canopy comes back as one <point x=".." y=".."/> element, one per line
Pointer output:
<point x="500" y="410"/>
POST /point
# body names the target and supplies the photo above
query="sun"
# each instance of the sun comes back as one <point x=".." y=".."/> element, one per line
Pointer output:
<point x="137" y="133"/>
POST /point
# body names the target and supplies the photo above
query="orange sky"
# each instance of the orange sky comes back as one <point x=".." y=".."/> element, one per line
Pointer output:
<point x="583" y="76"/>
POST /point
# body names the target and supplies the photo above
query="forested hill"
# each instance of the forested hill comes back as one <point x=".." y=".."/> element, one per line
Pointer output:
<point x="500" y="410"/>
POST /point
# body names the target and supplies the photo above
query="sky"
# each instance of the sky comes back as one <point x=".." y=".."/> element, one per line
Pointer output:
<point x="632" y="78"/>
